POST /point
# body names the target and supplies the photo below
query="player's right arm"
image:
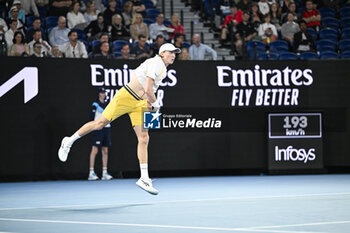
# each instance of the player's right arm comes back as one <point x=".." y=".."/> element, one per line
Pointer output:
<point x="149" y="90"/>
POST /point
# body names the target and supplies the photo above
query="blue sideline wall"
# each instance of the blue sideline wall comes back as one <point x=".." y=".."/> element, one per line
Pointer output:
<point x="31" y="132"/>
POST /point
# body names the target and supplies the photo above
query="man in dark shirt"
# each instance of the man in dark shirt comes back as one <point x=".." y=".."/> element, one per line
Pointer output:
<point x="141" y="50"/>
<point x="110" y="11"/>
<point x="245" y="32"/>
<point x="59" y="7"/>
<point x="303" y="41"/>
<point x="97" y="48"/>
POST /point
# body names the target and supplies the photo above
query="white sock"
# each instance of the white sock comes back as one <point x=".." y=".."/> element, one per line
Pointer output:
<point x="144" y="170"/>
<point x="74" y="137"/>
<point x="104" y="170"/>
<point x="91" y="170"/>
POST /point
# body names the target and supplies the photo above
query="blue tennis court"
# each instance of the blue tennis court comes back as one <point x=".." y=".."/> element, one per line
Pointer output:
<point x="299" y="203"/>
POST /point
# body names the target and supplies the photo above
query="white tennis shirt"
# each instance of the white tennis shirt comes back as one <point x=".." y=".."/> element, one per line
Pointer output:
<point x="154" y="68"/>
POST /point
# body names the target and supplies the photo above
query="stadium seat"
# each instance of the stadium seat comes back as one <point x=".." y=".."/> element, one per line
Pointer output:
<point x="308" y="56"/>
<point x="267" y="56"/>
<point x="345" y="22"/>
<point x="345" y="54"/>
<point x="327" y="12"/>
<point x="328" y="34"/>
<point x="313" y="32"/>
<point x="301" y="10"/>
<point x="186" y="44"/>
<point x="117" y="45"/>
<point x="208" y="11"/>
<point x="328" y="55"/>
<point x="95" y="43"/>
<point x="81" y="34"/>
<point x="51" y="21"/>
<point x="30" y="20"/>
<point x="344" y="45"/>
<point x="330" y="22"/>
<point x="255" y="47"/>
<point x="345" y="33"/>
<point x="288" y="56"/>
<point x="148" y="4"/>
<point x="344" y="12"/>
<point x="279" y="46"/>
<point x="148" y="21"/>
<point x="166" y="23"/>
<point x="152" y="13"/>
<point x="117" y="54"/>
<point x="326" y="45"/>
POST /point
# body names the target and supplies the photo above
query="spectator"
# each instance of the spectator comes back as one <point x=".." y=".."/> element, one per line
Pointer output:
<point x="37" y="50"/>
<point x="184" y="55"/>
<point x="104" y="51"/>
<point x="140" y="50"/>
<point x="91" y="12"/>
<point x="158" y="28"/>
<point x="20" y="14"/>
<point x="119" y="31"/>
<point x="14" y="16"/>
<point x="43" y="7"/>
<point x="255" y="17"/>
<point x="3" y="26"/>
<point x="221" y="10"/>
<point x="244" y="5"/>
<point x="199" y="50"/>
<point x="59" y="34"/>
<point x="37" y="37"/>
<point x="231" y="21"/>
<point x="311" y="16"/>
<point x="291" y="8"/>
<point x="74" y="48"/>
<point x="126" y="52"/>
<point x="100" y="7"/>
<point x="264" y="7"/>
<point x="75" y="18"/>
<point x="175" y="24"/>
<point x="127" y="14"/>
<point x="179" y="40"/>
<point x="285" y="5"/>
<point x="275" y="13"/>
<point x="95" y="28"/>
<point x="267" y="31"/>
<point x="139" y="7"/>
<point x="36" y="26"/>
<point x="59" y="7"/>
<point x="138" y="27"/>
<point x="289" y="28"/>
<point x="245" y="32"/>
<point x="156" y="45"/>
<point x="110" y="11"/>
<point x="19" y="47"/>
<point x="103" y="38"/>
<point x="30" y="8"/>
<point x="9" y="34"/>
<point x="56" y="53"/>
<point x="303" y="41"/>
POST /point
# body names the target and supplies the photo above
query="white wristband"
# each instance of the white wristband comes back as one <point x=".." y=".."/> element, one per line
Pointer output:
<point x="156" y="105"/>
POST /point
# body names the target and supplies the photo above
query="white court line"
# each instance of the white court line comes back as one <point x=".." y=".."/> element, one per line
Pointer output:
<point x="302" y="224"/>
<point x="182" y="201"/>
<point x="154" y="226"/>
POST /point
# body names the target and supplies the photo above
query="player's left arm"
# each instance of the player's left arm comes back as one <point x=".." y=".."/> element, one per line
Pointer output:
<point x="150" y="96"/>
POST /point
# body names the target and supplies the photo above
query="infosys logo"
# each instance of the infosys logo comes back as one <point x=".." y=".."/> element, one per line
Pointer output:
<point x="293" y="154"/>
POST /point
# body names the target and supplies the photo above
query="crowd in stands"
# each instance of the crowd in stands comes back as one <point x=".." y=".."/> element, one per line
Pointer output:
<point x="135" y="29"/>
<point x="286" y="29"/>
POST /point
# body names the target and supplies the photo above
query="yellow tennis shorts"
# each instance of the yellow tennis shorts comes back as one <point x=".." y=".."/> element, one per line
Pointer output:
<point x="126" y="101"/>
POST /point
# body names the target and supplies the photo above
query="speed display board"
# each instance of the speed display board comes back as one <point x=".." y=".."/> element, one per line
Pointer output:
<point x="295" y="141"/>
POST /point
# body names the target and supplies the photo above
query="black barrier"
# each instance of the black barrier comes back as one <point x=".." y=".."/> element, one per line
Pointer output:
<point x="42" y="100"/>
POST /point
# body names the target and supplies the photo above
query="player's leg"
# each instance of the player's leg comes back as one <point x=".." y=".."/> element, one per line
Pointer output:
<point x="105" y="174"/>
<point x="142" y="153"/>
<point x="67" y="142"/>
<point x="93" y="153"/>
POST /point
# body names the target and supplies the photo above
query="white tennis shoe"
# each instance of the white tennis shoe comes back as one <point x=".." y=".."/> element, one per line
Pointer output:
<point x="107" y="176"/>
<point x="146" y="184"/>
<point x="93" y="176"/>
<point x="64" y="149"/>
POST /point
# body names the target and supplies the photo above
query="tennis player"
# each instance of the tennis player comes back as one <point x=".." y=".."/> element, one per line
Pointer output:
<point x="133" y="98"/>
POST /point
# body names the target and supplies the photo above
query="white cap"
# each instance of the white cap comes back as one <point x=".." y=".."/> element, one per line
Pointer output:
<point x="169" y="47"/>
<point x="16" y="2"/>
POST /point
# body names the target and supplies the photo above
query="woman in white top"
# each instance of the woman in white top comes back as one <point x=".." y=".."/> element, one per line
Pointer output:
<point x="91" y="12"/>
<point x="75" y="18"/>
<point x="133" y="98"/>
<point x="267" y="31"/>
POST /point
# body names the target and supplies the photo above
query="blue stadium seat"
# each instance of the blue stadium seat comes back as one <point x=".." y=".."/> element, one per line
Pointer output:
<point x="329" y="34"/>
<point x="344" y="12"/>
<point x="186" y="44"/>
<point x="344" y="45"/>
<point x="148" y="21"/>
<point x="308" y="56"/>
<point x="51" y="21"/>
<point x="345" y="22"/>
<point x="30" y="20"/>
<point x="117" y="54"/>
<point x="328" y="55"/>
<point x="279" y="46"/>
<point x="255" y="47"/>
<point x="345" y="54"/>
<point x="166" y="23"/>
<point x="267" y="56"/>
<point x="207" y="9"/>
<point x="301" y="10"/>
<point x="152" y="13"/>
<point x="345" y="33"/>
<point x="81" y="34"/>
<point x="117" y="45"/>
<point x="288" y="56"/>
<point x="330" y="22"/>
<point x="95" y="43"/>
<point x="313" y="32"/>
<point x="327" y="12"/>
<point x="148" y="4"/>
<point x="326" y="45"/>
